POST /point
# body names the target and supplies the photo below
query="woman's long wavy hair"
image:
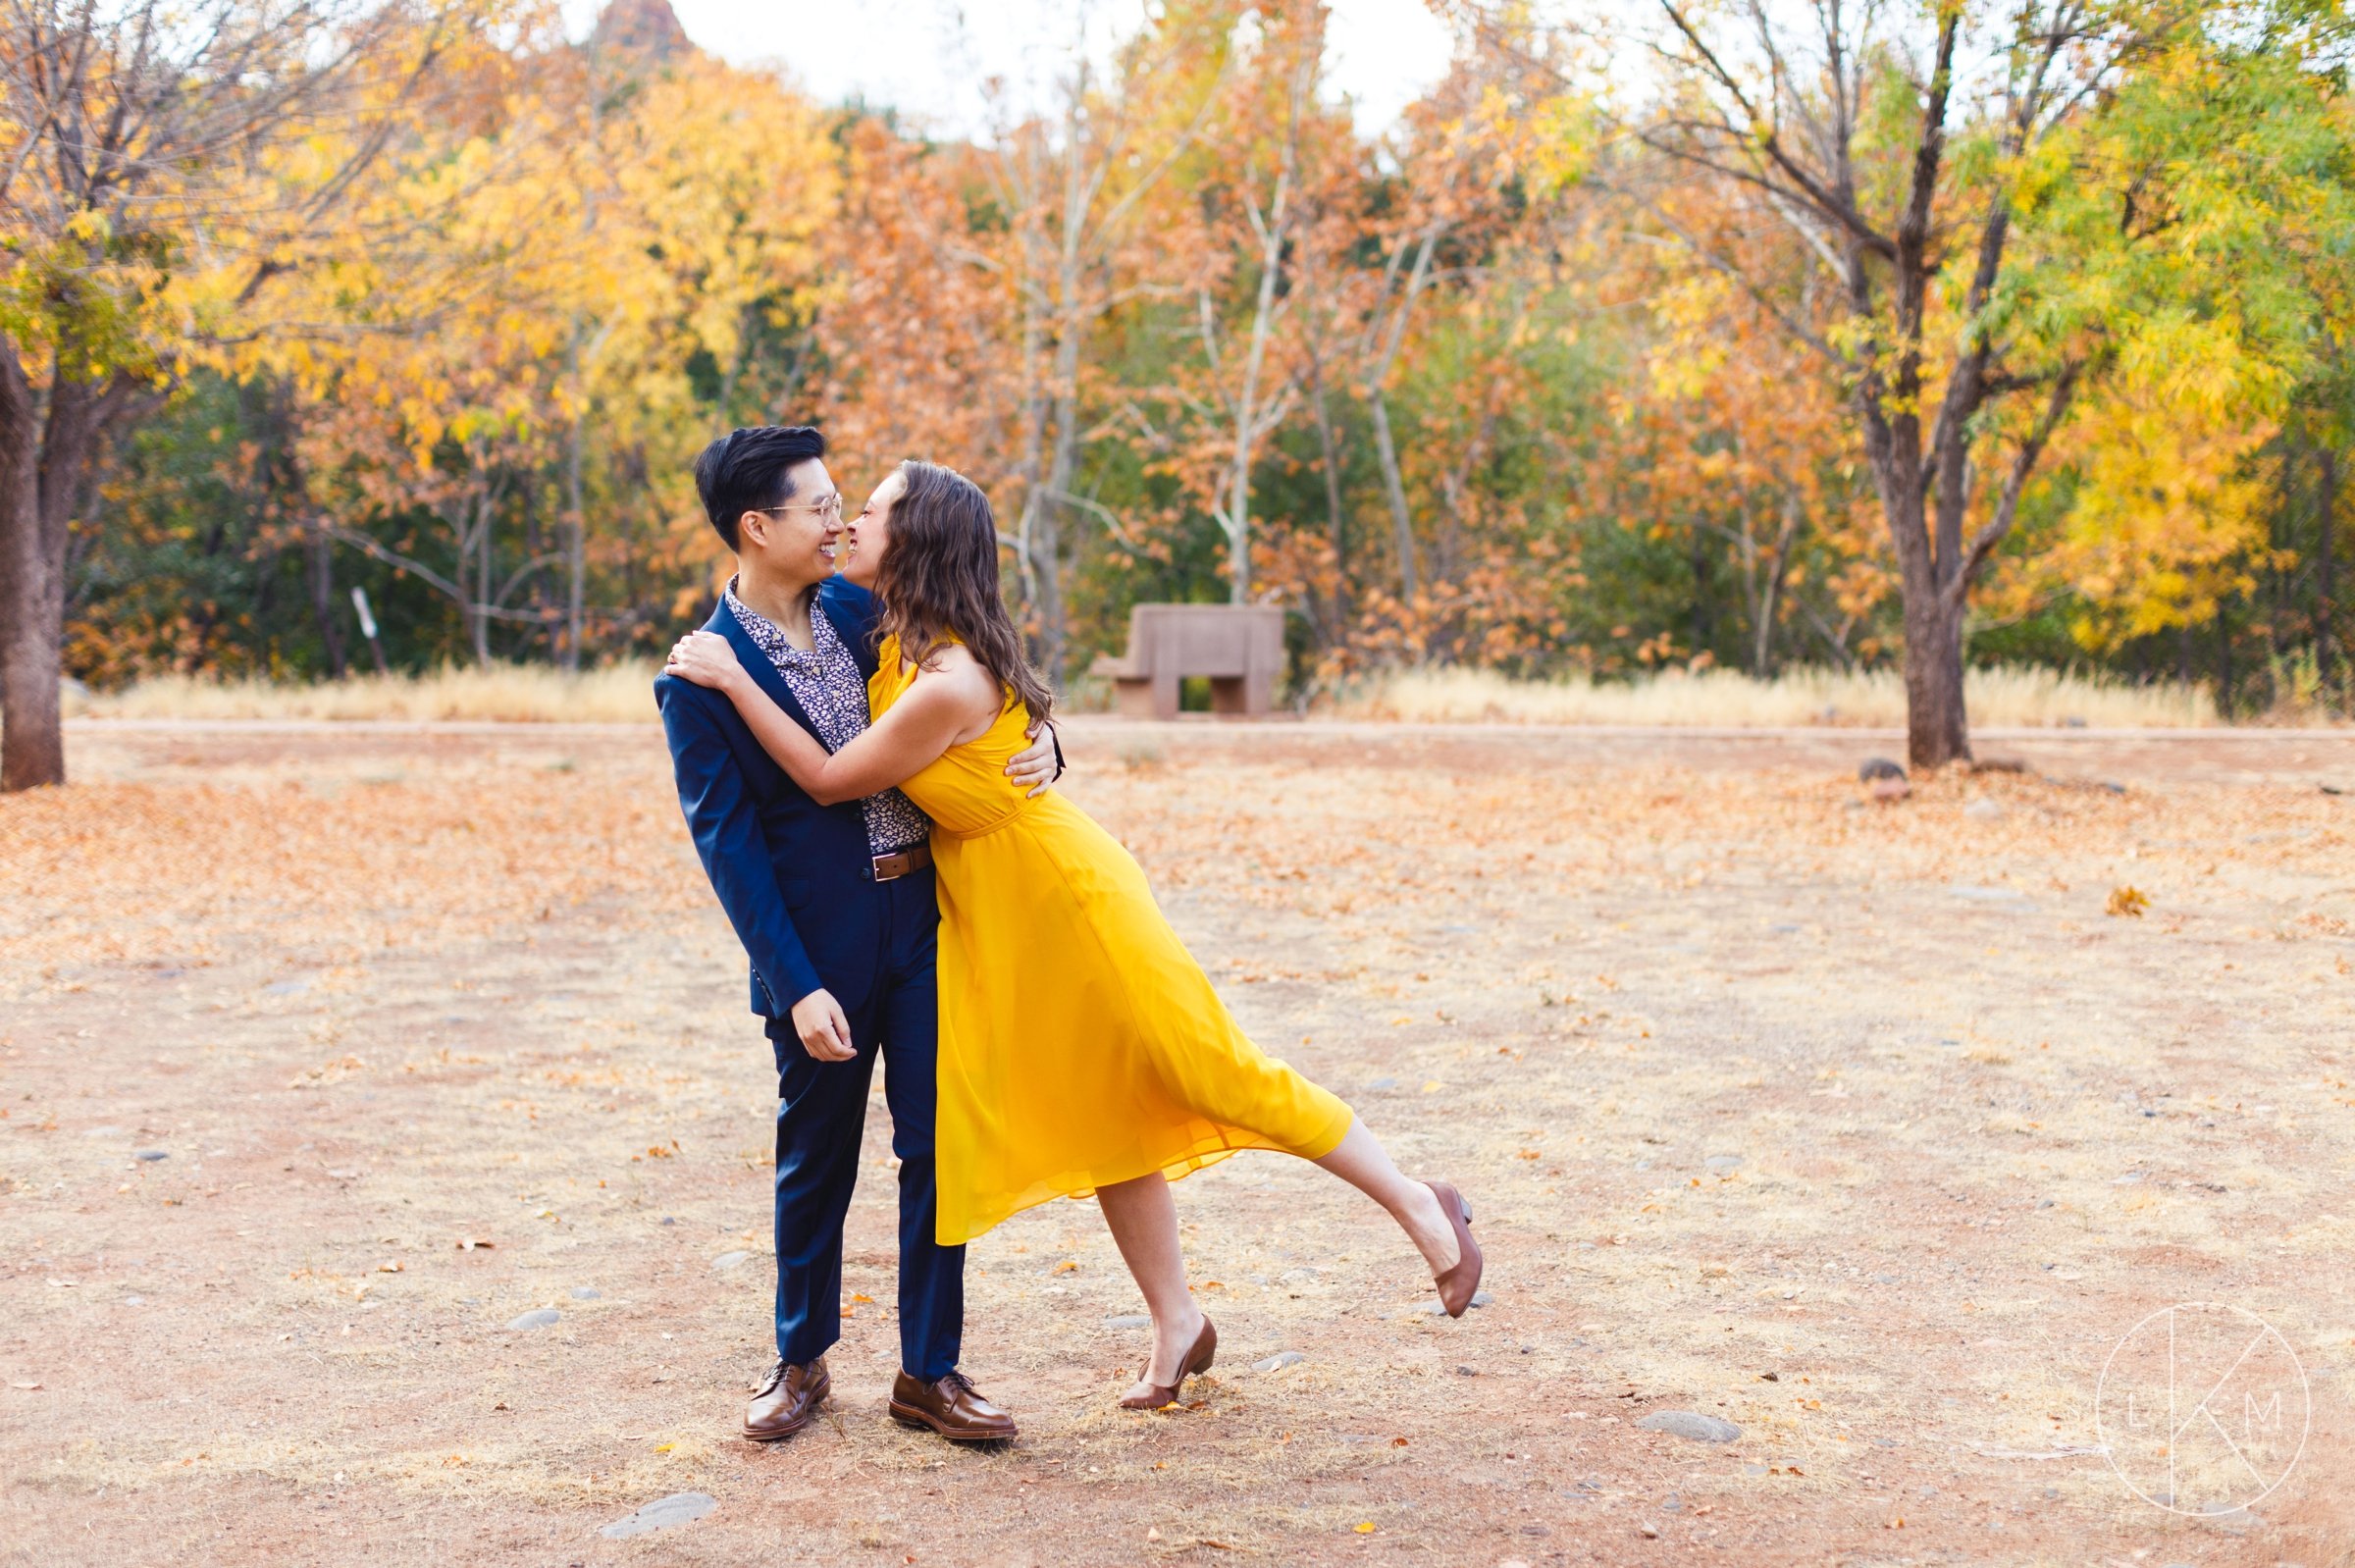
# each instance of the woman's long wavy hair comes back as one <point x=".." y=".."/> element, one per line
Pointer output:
<point x="939" y="579"/>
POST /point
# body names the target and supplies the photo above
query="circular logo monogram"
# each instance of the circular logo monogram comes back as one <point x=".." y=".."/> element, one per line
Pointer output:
<point x="2203" y="1408"/>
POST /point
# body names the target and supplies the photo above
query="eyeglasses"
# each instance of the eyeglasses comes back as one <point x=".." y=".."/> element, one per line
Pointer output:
<point x="831" y="507"/>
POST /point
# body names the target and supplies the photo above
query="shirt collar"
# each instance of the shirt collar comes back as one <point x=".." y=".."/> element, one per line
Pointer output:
<point x="769" y="637"/>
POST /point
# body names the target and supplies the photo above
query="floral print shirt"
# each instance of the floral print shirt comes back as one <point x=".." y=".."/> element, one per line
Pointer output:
<point x="827" y="684"/>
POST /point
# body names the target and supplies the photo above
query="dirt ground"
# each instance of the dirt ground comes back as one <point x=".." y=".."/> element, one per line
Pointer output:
<point x="1863" y="1126"/>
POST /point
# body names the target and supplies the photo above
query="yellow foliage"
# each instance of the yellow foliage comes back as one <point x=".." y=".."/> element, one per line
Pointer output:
<point x="2167" y="513"/>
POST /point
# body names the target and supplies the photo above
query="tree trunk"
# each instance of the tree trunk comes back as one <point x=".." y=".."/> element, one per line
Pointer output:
<point x="2326" y="613"/>
<point x="1063" y="472"/>
<point x="1030" y="468"/>
<point x="1402" y="527"/>
<point x="2223" y="665"/>
<point x="1046" y="581"/>
<point x="44" y="458"/>
<point x="576" y="552"/>
<point x="320" y="567"/>
<point x="1249" y="414"/>
<point x="1703" y="613"/>
<point x="32" y="743"/>
<point x="1770" y="599"/>
<point x="1937" y="731"/>
<point x="1335" y="520"/>
<point x="32" y="609"/>
<point x="1238" y="522"/>
<point x="478" y="609"/>
<point x="276" y="472"/>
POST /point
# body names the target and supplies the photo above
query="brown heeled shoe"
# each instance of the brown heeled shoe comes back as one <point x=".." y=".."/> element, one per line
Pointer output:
<point x="1198" y="1359"/>
<point x="1461" y="1282"/>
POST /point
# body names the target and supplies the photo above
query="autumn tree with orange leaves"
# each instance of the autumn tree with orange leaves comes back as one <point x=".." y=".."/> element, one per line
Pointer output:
<point x="166" y="166"/>
<point x="1868" y="349"/>
<point x="2002" y="220"/>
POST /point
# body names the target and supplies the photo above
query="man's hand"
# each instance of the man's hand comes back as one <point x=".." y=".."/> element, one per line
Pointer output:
<point x="826" y="1033"/>
<point x="1033" y="768"/>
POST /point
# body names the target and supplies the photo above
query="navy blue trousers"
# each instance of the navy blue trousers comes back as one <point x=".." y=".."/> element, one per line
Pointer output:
<point x="821" y="1121"/>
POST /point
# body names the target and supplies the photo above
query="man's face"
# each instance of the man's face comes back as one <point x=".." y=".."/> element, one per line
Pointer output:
<point x="796" y="539"/>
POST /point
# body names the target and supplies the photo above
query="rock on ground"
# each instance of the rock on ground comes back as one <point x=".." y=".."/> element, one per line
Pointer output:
<point x="679" y="1508"/>
<point x="1691" y="1423"/>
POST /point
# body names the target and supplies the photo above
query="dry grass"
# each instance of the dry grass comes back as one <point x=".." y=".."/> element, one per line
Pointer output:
<point x="2013" y="695"/>
<point x="620" y="692"/>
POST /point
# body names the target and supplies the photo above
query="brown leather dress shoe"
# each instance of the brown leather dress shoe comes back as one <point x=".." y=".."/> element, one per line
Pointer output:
<point x="786" y="1400"/>
<point x="952" y="1407"/>
<point x="1460" y="1284"/>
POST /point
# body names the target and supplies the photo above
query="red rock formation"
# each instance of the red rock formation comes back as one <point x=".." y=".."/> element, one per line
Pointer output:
<point x="646" y="28"/>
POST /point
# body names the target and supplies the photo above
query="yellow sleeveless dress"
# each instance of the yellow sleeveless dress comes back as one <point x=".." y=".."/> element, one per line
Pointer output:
<point x="1081" y="1044"/>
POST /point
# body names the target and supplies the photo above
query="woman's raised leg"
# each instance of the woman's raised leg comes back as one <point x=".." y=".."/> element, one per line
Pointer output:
<point x="1361" y="1161"/>
<point x="1144" y="1226"/>
<point x="1143" y="1220"/>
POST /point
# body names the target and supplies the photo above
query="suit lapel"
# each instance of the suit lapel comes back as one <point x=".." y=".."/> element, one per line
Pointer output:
<point x="764" y="671"/>
<point x="853" y="613"/>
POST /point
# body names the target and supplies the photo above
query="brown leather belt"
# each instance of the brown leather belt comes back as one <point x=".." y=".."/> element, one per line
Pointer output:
<point x="915" y="858"/>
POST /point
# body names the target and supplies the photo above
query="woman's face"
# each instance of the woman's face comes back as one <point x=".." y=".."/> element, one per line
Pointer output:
<point x="869" y="533"/>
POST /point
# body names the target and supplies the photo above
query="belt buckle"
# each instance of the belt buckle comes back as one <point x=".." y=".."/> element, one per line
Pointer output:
<point x="890" y="867"/>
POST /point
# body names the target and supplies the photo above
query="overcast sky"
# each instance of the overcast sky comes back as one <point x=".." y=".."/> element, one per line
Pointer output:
<point x="915" y="55"/>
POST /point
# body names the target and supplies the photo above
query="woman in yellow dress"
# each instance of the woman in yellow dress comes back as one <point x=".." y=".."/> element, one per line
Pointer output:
<point x="1081" y="1048"/>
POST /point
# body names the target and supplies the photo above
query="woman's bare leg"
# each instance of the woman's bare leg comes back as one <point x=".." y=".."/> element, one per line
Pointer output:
<point x="1144" y="1226"/>
<point x="1361" y="1161"/>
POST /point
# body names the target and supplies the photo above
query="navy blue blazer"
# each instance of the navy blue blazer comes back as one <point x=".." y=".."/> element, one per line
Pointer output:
<point x="796" y="877"/>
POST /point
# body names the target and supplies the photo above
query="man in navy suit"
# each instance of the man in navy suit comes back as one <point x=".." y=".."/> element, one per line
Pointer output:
<point x="835" y="906"/>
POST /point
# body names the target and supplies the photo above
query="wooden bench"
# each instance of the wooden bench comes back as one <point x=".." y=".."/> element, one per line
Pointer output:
<point x="1238" y="647"/>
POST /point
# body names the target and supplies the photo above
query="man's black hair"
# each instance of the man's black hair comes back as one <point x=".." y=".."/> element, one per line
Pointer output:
<point x="749" y="469"/>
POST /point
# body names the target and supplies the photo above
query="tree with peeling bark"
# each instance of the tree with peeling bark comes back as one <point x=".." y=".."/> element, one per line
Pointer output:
<point x="159" y="166"/>
<point x="1270" y="144"/>
<point x="1461" y="192"/>
<point x="973" y="289"/>
<point x="1072" y="191"/>
<point x="1399" y="292"/>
